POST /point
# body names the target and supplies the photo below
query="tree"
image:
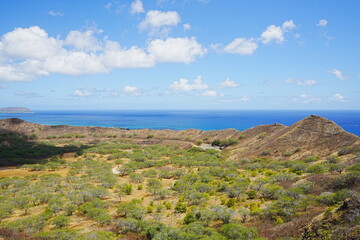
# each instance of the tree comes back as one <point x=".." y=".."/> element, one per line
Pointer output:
<point x="153" y="185"/>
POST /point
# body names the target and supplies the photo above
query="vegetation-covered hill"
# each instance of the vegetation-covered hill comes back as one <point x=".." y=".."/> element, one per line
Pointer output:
<point x="268" y="182"/>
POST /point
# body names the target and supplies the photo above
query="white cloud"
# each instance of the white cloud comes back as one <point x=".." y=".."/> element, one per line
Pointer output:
<point x="29" y="53"/>
<point x="272" y="33"/>
<point x="241" y="46"/>
<point x="83" y="92"/>
<point x="209" y="93"/>
<point x="29" y="43"/>
<point x="184" y="85"/>
<point x="300" y="82"/>
<point x="83" y="41"/>
<point x="137" y="7"/>
<point x="276" y="33"/>
<point x="126" y="91"/>
<point x="322" y="23"/>
<point x="305" y="98"/>
<point x="176" y="50"/>
<point x="132" y="91"/>
<point x="55" y="13"/>
<point x="186" y="27"/>
<point x="288" y="25"/>
<point x="75" y="63"/>
<point x="227" y="83"/>
<point x="28" y="94"/>
<point x="114" y="56"/>
<point x="159" y="22"/>
<point x="337" y="97"/>
<point x="338" y="74"/>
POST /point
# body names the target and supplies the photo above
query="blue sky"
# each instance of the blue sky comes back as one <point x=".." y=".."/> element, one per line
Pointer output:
<point x="180" y="54"/>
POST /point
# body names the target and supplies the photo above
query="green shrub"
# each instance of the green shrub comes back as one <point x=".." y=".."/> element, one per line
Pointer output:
<point x="238" y="232"/>
<point x="61" y="221"/>
<point x="345" y="181"/>
<point x="180" y="207"/>
<point x="311" y="159"/>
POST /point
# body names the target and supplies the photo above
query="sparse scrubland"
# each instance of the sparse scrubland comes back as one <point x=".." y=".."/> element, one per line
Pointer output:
<point x="64" y="186"/>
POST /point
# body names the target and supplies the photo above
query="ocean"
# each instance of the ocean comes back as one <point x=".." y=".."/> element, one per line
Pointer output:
<point x="181" y="119"/>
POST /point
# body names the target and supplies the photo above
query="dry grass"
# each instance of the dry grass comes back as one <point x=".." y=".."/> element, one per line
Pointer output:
<point x="21" y="172"/>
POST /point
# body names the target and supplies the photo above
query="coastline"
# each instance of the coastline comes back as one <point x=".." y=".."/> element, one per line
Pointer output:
<point x="206" y="120"/>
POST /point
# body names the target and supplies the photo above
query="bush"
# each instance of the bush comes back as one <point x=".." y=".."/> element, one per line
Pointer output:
<point x="238" y="232"/>
<point x="315" y="169"/>
<point x="345" y="181"/>
<point x="61" y="221"/>
<point x="225" y="143"/>
<point x="311" y="159"/>
<point x="132" y="209"/>
<point x="332" y="159"/>
<point x="180" y="207"/>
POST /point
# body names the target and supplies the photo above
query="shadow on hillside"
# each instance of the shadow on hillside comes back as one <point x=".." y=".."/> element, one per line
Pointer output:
<point x="17" y="149"/>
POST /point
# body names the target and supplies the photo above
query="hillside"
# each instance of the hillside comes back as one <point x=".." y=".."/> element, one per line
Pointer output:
<point x="267" y="182"/>
<point x="313" y="135"/>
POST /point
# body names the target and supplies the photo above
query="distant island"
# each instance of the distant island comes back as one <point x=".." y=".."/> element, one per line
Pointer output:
<point x="15" y="110"/>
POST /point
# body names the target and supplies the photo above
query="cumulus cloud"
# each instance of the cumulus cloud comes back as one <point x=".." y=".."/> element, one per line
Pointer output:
<point x="28" y="94"/>
<point x="114" y="56"/>
<point x="55" y="13"/>
<point x="276" y="33"/>
<point x="288" y="25"/>
<point x="322" y="23"/>
<point x="159" y="22"/>
<point x="83" y="53"/>
<point x="227" y="83"/>
<point x="305" y="98"/>
<point x="337" y="97"/>
<point x="184" y="84"/>
<point x="136" y="7"/>
<point x="241" y="46"/>
<point x="176" y="50"/>
<point x="300" y="82"/>
<point x="338" y="74"/>
<point x="271" y="34"/>
<point x="83" y="41"/>
<point x="16" y="44"/>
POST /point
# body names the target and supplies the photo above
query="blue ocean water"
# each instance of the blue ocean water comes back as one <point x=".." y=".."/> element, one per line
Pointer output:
<point x="179" y="120"/>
